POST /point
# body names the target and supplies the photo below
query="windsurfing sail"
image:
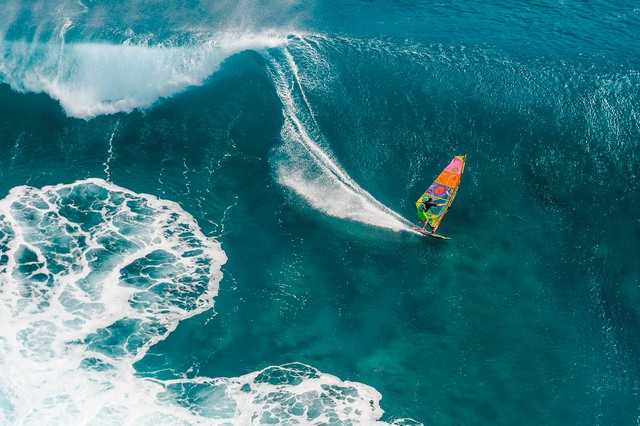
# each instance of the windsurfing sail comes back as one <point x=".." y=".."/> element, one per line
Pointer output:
<point x="443" y="190"/>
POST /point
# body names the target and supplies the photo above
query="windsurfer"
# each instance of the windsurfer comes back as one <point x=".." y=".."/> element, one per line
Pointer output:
<point x="427" y="202"/>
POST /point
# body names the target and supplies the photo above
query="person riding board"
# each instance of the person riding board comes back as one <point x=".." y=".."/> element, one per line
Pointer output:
<point x="422" y="211"/>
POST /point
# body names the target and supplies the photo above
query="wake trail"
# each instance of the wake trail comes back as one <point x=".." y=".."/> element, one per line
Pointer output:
<point x="306" y="165"/>
<point x="16" y="148"/>
<point x="110" y="151"/>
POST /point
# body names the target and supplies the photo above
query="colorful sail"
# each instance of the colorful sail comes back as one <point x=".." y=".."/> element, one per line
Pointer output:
<point x="443" y="190"/>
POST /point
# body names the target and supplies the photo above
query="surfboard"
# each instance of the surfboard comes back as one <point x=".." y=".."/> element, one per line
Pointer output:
<point x="430" y="234"/>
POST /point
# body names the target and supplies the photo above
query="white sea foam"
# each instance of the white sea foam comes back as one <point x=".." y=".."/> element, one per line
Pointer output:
<point x="304" y="162"/>
<point x="90" y="79"/>
<point x="91" y="276"/>
<point x="289" y="394"/>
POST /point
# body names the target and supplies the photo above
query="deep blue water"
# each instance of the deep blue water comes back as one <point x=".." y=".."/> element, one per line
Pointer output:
<point x="206" y="207"/>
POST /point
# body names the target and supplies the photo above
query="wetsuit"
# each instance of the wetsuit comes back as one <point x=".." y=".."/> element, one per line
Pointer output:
<point x="422" y="209"/>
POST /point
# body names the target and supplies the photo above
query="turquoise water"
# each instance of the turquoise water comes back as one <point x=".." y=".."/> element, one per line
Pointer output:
<point x="205" y="209"/>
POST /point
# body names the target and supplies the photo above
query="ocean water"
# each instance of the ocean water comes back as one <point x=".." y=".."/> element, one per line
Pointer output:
<point x="205" y="212"/>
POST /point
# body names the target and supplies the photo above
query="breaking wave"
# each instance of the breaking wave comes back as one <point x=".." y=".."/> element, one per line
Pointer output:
<point x="90" y="79"/>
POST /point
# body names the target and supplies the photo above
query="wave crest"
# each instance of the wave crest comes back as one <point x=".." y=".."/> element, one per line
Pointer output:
<point x="90" y="79"/>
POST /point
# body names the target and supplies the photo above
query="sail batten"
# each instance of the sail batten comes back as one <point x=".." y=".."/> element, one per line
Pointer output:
<point x="443" y="190"/>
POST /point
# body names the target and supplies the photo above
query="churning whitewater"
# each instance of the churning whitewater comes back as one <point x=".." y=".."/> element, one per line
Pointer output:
<point x="204" y="206"/>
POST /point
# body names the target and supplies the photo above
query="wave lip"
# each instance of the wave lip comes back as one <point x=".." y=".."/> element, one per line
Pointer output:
<point x="90" y="79"/>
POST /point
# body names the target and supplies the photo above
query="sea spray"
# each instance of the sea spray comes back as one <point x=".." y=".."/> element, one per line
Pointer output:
<point x="90" y="79"/>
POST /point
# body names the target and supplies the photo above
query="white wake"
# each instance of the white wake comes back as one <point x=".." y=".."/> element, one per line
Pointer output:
<point x="304" y="162"/>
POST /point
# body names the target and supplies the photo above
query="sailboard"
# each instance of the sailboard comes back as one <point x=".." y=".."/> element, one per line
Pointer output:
<point x="443" y="190"/>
